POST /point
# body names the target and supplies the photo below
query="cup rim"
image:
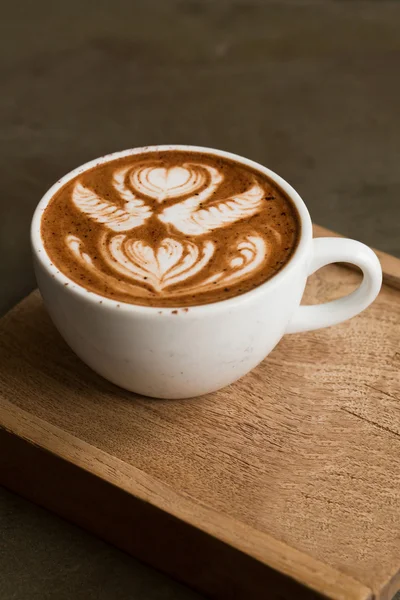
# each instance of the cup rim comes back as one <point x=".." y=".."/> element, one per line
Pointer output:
<point x="75" y="289"/>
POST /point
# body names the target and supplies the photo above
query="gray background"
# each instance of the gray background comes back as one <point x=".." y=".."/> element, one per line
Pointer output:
<point x="309" y="88"/>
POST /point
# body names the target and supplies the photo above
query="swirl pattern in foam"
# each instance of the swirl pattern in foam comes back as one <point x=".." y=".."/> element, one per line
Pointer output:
<point x="161" y="183"/>
<point x="170" y="228"/>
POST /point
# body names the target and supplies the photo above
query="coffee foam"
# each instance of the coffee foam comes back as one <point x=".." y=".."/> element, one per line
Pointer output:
<point x="170" y="228"/>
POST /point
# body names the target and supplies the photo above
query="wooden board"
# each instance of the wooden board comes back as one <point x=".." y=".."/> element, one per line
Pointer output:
<point x="284" y="485"/>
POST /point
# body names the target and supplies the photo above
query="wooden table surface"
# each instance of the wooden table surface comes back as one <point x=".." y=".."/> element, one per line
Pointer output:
<point x="284" y="485"/>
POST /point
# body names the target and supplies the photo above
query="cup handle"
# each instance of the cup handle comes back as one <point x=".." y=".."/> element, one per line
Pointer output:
<point x="331" y="250"/>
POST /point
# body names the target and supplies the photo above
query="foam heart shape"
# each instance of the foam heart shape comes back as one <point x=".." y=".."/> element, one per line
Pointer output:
<point x="161" y="183"/>
<point x="172" y="262"/>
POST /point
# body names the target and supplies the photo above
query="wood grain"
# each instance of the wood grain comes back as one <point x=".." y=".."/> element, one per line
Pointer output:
<point x="284" y="485"/>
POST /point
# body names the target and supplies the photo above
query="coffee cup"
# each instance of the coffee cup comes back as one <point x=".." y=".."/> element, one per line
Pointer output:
<point x="185" y="351"/>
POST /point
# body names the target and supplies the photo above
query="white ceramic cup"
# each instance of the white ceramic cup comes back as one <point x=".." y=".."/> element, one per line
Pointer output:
<point x="168" y="353"/>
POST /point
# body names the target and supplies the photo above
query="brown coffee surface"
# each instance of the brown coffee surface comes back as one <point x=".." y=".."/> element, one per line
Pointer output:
<point x="170" y="229"/>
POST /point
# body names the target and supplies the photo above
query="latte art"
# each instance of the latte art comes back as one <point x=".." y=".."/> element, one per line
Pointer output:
<point x="161" y="183"/>
<point x="169" y="228"/>
<point x="170" y="263"/>
<point x="132" y="214"/>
